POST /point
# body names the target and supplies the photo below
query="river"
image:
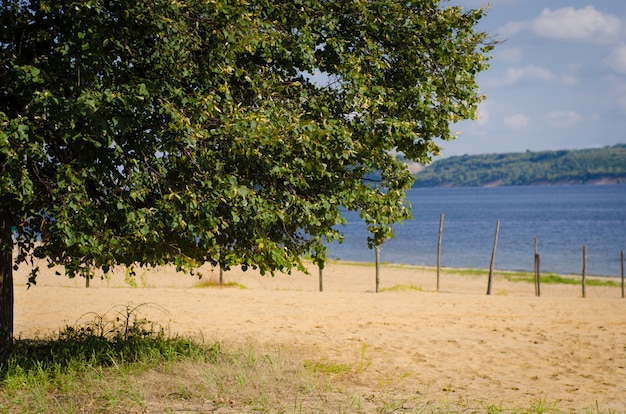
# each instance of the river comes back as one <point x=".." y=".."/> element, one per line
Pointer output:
<point x="562" y="218"/>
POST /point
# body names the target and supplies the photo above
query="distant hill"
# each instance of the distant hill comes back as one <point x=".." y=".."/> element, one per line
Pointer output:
<point x="588" y="166"/>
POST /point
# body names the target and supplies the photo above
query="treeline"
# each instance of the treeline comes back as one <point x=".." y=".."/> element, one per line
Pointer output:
<point x="607" y="164"/>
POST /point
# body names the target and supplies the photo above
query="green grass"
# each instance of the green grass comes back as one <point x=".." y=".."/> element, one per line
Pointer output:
<point x="402" y="288"/>
<point x="551" y="278"/>
<point x="91" y="365"/>
<point x="513" y="276"/>
<point x="213" y="283"/>
<point x="327" y="367"/>
<point x="546" y="278"/>
<point x="103" y="342"/>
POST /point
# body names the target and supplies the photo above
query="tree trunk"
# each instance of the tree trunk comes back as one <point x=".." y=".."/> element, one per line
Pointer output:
<point x="6" y="283"/>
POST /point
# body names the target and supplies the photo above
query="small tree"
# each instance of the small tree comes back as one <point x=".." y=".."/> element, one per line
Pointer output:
<point x="230" y="132"/>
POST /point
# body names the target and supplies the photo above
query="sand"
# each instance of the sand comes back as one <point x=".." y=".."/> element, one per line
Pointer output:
<point x="511" y="348"/>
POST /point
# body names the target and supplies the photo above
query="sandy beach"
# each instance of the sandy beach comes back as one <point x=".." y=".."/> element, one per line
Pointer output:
<point x="510" y="349"/>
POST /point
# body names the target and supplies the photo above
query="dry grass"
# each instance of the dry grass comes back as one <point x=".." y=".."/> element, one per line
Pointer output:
<point x="248" y="378"/>
<point x="213" y="282"/>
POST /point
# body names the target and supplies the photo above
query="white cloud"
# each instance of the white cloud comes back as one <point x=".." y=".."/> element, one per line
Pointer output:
<point x="516" y="121"/>
<point x="512" y="28"/>
<point x="511" y="55"/>
<point x="517" y="75"/>
<point x="569" y="24"/>
<point x="533" y="72"/>
<point x="617" y="59"/>
<point x="564" y="118"/>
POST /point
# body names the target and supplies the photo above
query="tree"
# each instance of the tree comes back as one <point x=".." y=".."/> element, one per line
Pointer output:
<point x="230" y="132"/>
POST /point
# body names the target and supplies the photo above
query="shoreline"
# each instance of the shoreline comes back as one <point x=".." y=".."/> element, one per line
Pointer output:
<point x="392" y="275"/>
<point x="470" y="270"/>
<point x="599" y="182"/>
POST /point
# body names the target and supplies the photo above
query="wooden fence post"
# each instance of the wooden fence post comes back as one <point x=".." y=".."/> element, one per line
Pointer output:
<point x="622" y="261"/>
<point x="377" y="268"/>
<point x="536" y="270"/>
<point x="493" y="258"/>
<point x="87" y="274"/>
<point x="538" y="273"/>
<point x="439" y="248"/>
<point x="584" y="281"/>
<point x="321" y="282"/>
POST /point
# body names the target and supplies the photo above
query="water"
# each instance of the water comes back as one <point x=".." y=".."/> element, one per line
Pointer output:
<point x="562" y="218"/>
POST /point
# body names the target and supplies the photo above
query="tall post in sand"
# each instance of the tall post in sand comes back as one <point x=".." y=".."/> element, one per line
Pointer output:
<point x="537" y="270"/>
<point x="622" y="261"/>
<point x="377" y="251"/>
<point x="493" y="258"/>
<point x="439" y="248"/>
<point x="321" y="282"/>
<point x="584" y="278"/>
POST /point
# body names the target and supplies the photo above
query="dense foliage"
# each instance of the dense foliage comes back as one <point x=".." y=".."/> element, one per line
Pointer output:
<point x="230" y="132"/>
<point x="526" y="168"/>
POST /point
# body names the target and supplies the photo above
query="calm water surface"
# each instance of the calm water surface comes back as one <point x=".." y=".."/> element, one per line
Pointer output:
<point x="562" y="218"/>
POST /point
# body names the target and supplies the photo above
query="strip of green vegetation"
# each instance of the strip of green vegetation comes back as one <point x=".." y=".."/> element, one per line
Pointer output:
<point x="546" y="278"/>
<point x="528" y="277"/>
<point x="552" y="278"/>
<point x="526" y="168"/>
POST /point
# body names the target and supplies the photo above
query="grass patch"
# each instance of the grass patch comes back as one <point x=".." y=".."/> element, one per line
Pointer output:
<point x="555" y="279"/>
<point x="89" y="367"/>
<point x="213" y="283"/>
<point x="103" y="341"/>
<point x="402" y="288"/>
<point x="546" y="278"/>
<point x="513" y="276"/>
<point x="327" y="367"/>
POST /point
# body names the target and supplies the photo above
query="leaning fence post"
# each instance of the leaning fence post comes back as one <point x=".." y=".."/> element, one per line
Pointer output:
<point x="584" y="281"/>
<point x="493" y="258"/>
<point x="439" y="248"/>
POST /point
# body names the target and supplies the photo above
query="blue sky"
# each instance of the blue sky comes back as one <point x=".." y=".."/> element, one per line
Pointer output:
<point x="557" y="80"/>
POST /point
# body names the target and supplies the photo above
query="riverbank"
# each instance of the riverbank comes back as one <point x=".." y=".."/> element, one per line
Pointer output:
<point x="510" y="349"/>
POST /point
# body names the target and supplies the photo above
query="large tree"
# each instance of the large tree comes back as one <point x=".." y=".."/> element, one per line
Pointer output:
<point x="231" y="132"/>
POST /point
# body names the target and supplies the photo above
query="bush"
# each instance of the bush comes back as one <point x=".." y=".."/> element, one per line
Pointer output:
<point x="102" y="342"/>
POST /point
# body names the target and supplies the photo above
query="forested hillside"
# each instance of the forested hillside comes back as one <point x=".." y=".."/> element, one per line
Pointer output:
<point x="589" y="166"/>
